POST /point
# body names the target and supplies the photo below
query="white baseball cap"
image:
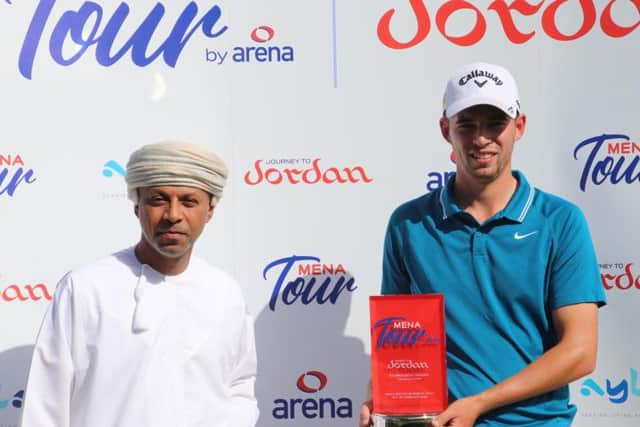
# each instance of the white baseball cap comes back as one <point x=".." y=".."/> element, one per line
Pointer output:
<point x="480" y="83"/>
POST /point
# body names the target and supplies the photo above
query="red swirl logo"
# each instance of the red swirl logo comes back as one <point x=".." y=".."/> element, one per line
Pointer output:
<point x="262" y="34"/>
<point x="319" y="377"/>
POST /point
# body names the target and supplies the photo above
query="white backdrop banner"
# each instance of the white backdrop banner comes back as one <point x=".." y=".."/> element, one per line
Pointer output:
<point x="327" y="114"/>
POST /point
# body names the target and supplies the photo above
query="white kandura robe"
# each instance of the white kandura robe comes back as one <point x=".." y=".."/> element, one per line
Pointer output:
<point x="124" y="346"/>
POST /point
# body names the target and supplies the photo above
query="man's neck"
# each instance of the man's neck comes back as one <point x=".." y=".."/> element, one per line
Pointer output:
<point x="169" y="266"/>
<point x="484" y="200"/>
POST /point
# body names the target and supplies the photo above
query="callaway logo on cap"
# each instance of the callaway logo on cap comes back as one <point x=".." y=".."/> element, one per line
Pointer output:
<point x="481" y="83"/>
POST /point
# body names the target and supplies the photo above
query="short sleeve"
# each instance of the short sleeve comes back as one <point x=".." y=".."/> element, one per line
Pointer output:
<point x="574" y="274"/>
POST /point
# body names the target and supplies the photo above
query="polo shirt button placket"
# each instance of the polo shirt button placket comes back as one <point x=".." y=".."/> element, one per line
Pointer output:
<point x="479" y="243"/>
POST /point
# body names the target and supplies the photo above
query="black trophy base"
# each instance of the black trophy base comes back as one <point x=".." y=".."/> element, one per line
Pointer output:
<point x="380" y="420"/>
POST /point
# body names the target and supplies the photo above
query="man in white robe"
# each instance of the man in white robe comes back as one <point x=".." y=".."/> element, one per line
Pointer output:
<point x="150" y="336"/>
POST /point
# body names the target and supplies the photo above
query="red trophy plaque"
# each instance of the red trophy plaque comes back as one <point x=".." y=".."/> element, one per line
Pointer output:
<point x="408" y="359"/>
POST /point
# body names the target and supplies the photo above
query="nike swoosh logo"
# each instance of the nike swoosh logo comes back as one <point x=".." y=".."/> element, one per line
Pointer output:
<point x="480" y="84"/>
<point x="523" y="236"/>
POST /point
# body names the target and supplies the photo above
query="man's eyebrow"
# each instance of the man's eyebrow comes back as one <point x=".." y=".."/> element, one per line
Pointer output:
<point x="499" y="116"/>
<point x="464" y="119"/>
<point x="491" y="117"/>
<point x="193" y="195"/>
<point x="152" y="193"/>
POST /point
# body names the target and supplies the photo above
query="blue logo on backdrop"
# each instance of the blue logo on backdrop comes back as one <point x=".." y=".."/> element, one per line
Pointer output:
<point x="616" y="393"/>
<point x="87" y="26"/>
<point x="437" y="179"/>
<point x="112" y="168"/>
<point x="315" y="281"/>
<point x="14" y="402"/>
<point x="610" y="158"/>
<point x="261" y="51"/>
<point x="13" y="174"/>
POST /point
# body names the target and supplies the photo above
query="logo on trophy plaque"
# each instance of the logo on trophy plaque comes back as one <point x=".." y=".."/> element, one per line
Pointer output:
<point x="408" y="359"/>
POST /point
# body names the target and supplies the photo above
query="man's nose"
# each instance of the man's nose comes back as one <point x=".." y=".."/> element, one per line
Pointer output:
<point x="173" y="213"/>
<point x="481" y="137"/>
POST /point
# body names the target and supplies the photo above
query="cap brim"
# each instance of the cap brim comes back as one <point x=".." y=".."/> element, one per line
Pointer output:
<point x="463" y="104"/>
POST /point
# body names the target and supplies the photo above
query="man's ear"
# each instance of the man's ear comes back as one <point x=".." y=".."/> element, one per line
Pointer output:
<point x="136" y="209"/>
<point x="521" y="124"/>
<point x="210" y="213"/>
<point x="444" y="129"/>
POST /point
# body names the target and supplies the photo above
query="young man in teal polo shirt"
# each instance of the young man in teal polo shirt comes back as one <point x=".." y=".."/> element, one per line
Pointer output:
<point x="516" y="265"/>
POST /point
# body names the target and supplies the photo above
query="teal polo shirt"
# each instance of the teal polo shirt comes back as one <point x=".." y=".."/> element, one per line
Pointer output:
<point x="501" y="280"/>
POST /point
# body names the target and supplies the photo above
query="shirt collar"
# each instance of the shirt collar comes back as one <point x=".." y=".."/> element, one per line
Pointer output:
<point x="516" y="210"/>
